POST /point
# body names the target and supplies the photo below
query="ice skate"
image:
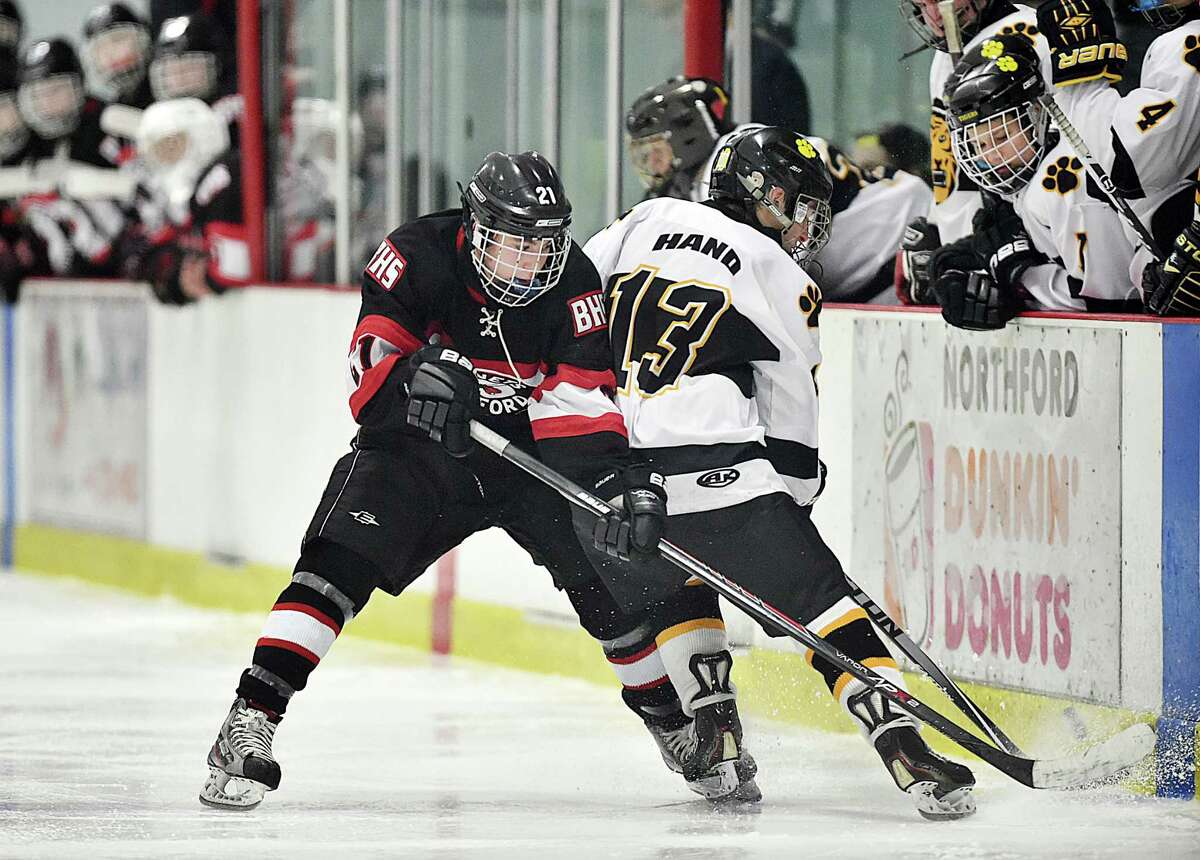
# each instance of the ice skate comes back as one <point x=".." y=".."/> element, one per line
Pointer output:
<point x="241" y="768"/>
<point x="711" y="758"/>
<point x="941" y="788"/>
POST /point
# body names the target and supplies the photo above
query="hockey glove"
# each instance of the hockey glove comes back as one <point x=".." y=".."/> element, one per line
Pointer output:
<point x="1000" y="238"/>
<point x="1083" y="41"/>
<point x="912" y="263"/>
<point x="1172" y="287"/>
<point x="443" y="394"/>
<point x="633" y="531"/>
<point x="969" y="297"/>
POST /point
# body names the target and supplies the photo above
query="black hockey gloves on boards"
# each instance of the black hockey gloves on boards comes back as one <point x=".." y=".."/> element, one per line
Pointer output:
<point x="912" y="282"/>
<point x="969" y="296"/>
<point x="443" y="395"/>
<point x="633" y="531"/>
<point x="1172" y="287"/>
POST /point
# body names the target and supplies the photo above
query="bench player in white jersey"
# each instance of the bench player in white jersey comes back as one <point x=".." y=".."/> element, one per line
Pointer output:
<point x="677" y="127"/>
<point x="1149" y="141"/>
<point x="956" y="197"/>
<point x="1070" y="250"/>
<point x="713" y="327"/>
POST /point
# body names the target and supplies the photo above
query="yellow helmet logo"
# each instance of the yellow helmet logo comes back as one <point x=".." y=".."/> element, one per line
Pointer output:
<point x="805" y="148"/>
<point x="992" y="49"/>
<point x="723" y="159"/>
<point x="1007" y="64"/>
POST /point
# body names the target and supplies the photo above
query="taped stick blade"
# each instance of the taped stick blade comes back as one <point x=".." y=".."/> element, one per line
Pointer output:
<point x="1122" y="750"/>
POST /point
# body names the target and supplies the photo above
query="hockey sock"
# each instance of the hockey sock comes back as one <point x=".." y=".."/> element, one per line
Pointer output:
<point x="299" y="631"/>
<point x="694" y="649"/>
<point x="846" y="627"/>
<point x="628" y="644"/>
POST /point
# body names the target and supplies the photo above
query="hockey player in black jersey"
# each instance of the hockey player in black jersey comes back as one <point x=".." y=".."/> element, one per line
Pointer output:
<point x="516" y="309"/>
<point x="115" y="55"/>
<point x="713" y="324"/>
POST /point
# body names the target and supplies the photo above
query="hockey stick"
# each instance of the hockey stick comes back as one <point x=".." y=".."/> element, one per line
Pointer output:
<point x="950" y="27"/>
<point x="1096" y="762"/>
<point x="943" y="681"/>
<point x="1118" y="203"/>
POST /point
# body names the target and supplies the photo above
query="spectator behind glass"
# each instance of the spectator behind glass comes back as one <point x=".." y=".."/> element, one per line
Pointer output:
<point x="115" y="54"/>
<point x="12" y="25"/>
<point x="778" y="94"/>
<point x="893" y="145"/>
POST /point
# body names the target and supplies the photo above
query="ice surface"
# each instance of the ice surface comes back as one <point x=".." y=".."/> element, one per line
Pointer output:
<point x="108" y="704"/>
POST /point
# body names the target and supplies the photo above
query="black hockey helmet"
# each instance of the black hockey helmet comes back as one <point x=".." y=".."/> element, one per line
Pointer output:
<point x="998" y="128"/>
<point x="50" y="94"/>
<point x="750" y="165"/>
<point x="12" y="25"/>
<point x="187" y="59"/>
<point x="116" y="49"/>
<point x="1167" y="14"/>
<point x="674" y="126"/>
<point x="14" y="133"/>
<point x="517" y="219"/>
<point x="925" y="18"/>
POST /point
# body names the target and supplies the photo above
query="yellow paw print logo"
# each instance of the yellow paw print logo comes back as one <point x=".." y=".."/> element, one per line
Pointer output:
<point x="992" y="49"/>
<point x="1063" y="175"/>
<point x="805" y="148"/>
<point x="810" y="304"/>
<point x="1025" y="31"/>
<point x="1007" y="64"/>
<point x="1191" y="52"/>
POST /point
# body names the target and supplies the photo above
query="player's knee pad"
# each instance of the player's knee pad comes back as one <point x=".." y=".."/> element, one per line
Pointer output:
<point x="340" y="575"/>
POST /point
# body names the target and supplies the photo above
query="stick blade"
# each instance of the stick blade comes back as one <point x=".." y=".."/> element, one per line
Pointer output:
<point x="1122" y="750"/>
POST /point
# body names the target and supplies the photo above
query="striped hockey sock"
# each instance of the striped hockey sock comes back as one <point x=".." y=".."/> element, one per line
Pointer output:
<point x="645" y="686"/>
<point x="300" y="629"/>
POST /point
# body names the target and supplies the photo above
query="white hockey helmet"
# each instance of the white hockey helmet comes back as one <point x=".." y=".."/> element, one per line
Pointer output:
<point x="176" y="140"/>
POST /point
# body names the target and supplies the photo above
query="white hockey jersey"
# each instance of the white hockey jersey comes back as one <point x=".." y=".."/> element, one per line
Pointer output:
<point x="713" y="330"/>
<point x="956" y="197"/>
<point x="870" y="212"/>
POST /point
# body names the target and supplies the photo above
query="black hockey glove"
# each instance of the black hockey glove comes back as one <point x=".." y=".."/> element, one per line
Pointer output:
<point x="443" y="395"/>
<point x="1083" y="41"/>
<point x="1000" y="238"/>
<point x="633" y="531"/>
<point x="912" y="263"/>
<point x="970" y="299"/>
<point x="1172" y="287"/>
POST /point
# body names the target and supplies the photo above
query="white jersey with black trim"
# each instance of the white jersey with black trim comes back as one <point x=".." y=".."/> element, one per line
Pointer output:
<point x="870" y="212"/>
<point x="956" y="197"/>
<point x="713" y="330"/>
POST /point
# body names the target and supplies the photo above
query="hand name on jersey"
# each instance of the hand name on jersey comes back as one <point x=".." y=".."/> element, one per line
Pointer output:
<point x="701" y="244"/>
<point x="387" y="265"/>
<point x="587" y="313"/>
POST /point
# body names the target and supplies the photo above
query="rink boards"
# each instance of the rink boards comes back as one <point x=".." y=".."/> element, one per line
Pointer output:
<point x="1026" y="501"/>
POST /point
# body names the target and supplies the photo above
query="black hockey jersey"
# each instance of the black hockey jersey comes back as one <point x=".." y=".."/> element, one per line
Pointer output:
<point x="543" y="368"/>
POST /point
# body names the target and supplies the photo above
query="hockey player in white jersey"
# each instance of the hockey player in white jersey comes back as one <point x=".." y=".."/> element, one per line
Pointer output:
<point x="713" y="326"/>
<point x="1070" y="250"/>
<point x="956" y="197"/>
<point x="677" y="128"/>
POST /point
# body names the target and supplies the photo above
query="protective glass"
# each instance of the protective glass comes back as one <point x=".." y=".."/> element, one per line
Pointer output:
<point x="193" y="75"/>
<point x="1002" y="152"/>
<point x="653" y="159"/>
<point x="51" y="106"/>
<point x="809" y="230"/>
<point x="116" y="58"/>
<point x="926" y="19"/>
<point x="14" y="134"/>
<point x="517" y="269"/>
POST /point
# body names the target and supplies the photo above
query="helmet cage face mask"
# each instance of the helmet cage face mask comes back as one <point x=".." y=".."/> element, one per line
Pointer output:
<point x="115" y="58"/>
<point x="653" y="159"/>
<point x="803" y="232"/>
<point x="516" y="269"/>
<point x="1002" y="152"/>
<point x="14" y="133"/>
<point x="1163" y="14"/>
<point x="51" y="105"/>
<point x="924" y="17"/>
<point x="188" y="75"/>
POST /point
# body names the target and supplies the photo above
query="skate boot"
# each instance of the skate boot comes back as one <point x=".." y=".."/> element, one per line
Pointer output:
<point x="709" y="754"/>
<point x="240" y="765"/>
<point x="941" y="788"/>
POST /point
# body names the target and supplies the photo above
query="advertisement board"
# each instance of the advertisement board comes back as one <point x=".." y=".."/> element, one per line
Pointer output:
<point x="987" y="489"/>
<point x="85" y="351"/>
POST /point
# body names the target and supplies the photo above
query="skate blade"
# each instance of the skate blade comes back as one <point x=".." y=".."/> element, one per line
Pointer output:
<point x="718" y="784"/>
<point x="949" y="807"/>
<point x="222" y="791"/>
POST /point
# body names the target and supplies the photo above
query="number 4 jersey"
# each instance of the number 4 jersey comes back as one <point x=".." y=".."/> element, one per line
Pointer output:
<point x="714" y="339"/>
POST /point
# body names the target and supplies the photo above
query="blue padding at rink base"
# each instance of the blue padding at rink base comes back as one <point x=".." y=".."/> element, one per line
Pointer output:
<point x="1176" y="748"/>
<point x="10" y="444"/>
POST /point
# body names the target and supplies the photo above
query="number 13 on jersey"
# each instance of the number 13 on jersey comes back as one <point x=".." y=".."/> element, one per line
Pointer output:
<point x="660" y="326"/>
